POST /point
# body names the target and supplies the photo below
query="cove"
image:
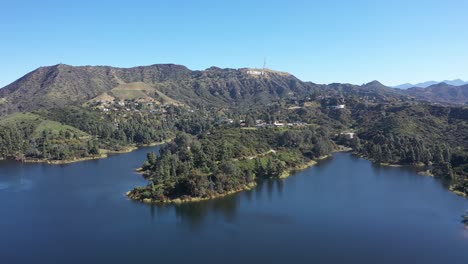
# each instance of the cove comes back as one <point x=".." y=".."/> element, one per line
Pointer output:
<point x="342" y="210"/>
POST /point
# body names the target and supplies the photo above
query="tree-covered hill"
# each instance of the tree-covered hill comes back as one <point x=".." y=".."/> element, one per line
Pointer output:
<point x="433" y="137"/>
<point x="27" y="135"/>
<point x="225" y="160"/>
<point x="441" y="93"/>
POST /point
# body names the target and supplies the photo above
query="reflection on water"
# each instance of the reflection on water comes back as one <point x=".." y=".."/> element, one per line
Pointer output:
<point x="195" y="214"/>
<point x="343" y="210"/>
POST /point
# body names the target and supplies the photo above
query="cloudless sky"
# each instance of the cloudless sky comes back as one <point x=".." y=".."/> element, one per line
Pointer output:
<point x="358" y="41"/>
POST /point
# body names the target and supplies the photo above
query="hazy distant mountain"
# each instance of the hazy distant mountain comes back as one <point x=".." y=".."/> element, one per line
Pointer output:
<point x="441" y="93"/>
<point x="456" y="82"/>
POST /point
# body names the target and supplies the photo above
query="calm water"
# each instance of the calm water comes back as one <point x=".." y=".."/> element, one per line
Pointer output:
<point x="344" y="210"/>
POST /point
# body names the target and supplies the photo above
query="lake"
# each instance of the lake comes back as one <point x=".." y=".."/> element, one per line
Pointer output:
<point x="343" y="210"/>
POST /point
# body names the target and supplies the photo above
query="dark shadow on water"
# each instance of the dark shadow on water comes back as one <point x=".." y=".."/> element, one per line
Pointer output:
<point x="259" y="187"/>
<point x="200" y="215"/>
<point x="280" y="187"/>
<point x="377" y="169"/>
<point x="152" y="211"/>
<point x="248" y="196"/>
<point x="195" y="214"/>
<point x="270" y="188"/>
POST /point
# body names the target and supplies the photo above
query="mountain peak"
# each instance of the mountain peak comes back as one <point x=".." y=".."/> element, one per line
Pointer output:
<point x="60" y="66"/>
<point x="441" y="84"/>
<point x="373" y="83"/>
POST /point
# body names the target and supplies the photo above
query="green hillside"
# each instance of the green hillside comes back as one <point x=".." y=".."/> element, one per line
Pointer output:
<point x="38" y="125"/>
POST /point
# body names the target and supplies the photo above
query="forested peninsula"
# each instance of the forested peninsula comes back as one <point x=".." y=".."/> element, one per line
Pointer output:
<point x="228" y="160"/>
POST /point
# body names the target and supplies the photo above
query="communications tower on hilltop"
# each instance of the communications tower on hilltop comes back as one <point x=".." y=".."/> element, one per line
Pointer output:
<point x="264" y="66"/>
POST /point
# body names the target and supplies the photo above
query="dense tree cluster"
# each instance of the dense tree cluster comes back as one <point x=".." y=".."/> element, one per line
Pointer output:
<point x="11" y="141"/>
<point x="74" y="132"/>
<point x="114" y="130"/>
<point x="404" y="150"/>
<point x="429" y="136"/>
<point x="17" y="142"/>
<point x="226" y="159"/>
<point x="439" y="158"/>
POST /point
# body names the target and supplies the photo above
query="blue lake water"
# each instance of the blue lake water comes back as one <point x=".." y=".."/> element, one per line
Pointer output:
<point x="344" y="210"/>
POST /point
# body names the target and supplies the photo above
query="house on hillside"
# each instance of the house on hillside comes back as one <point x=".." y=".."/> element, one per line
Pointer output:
<point x="348" y="135"/>
<point x="340" y="106"/>
<point x="278" y="124"/>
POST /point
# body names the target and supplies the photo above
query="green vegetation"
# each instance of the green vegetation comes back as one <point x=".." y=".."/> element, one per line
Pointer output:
<point x="431" y="137"/>
<point x="74" y="133"/>
<point x="29" y="136"/>
<point x="225" y="160"/>
<point x="248" y="126"/>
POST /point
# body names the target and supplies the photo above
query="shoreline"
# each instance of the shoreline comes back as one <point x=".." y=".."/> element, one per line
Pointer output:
<point x="421" y="171"/>
<point x="391" y="165"/>
<point x="181" y="200"/>
<point x="458" y="192"/>
<point x="287" y="173"/>
<point x="105" y="153"/>
<point x="60" y="162"/>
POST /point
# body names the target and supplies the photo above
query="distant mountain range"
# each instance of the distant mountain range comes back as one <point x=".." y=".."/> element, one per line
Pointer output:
<point x="63" y="85"/>
<point x="441" y="93"/>
<point x="456" y="82"/>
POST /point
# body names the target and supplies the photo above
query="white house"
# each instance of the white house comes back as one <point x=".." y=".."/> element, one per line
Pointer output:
<point x="349" y="135"/>
<point x="341" y="106"/>
<point x="278" y="124"/>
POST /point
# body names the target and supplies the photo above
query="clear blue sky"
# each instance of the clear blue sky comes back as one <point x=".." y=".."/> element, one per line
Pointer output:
<point x="321" y="41"/>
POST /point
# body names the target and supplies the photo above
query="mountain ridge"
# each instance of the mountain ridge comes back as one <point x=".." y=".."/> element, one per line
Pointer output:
<point x="441" y="93"/>
<point x="455" y="82"/>
<point x="60" y="85"/>
<point x="63" y="85"/>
